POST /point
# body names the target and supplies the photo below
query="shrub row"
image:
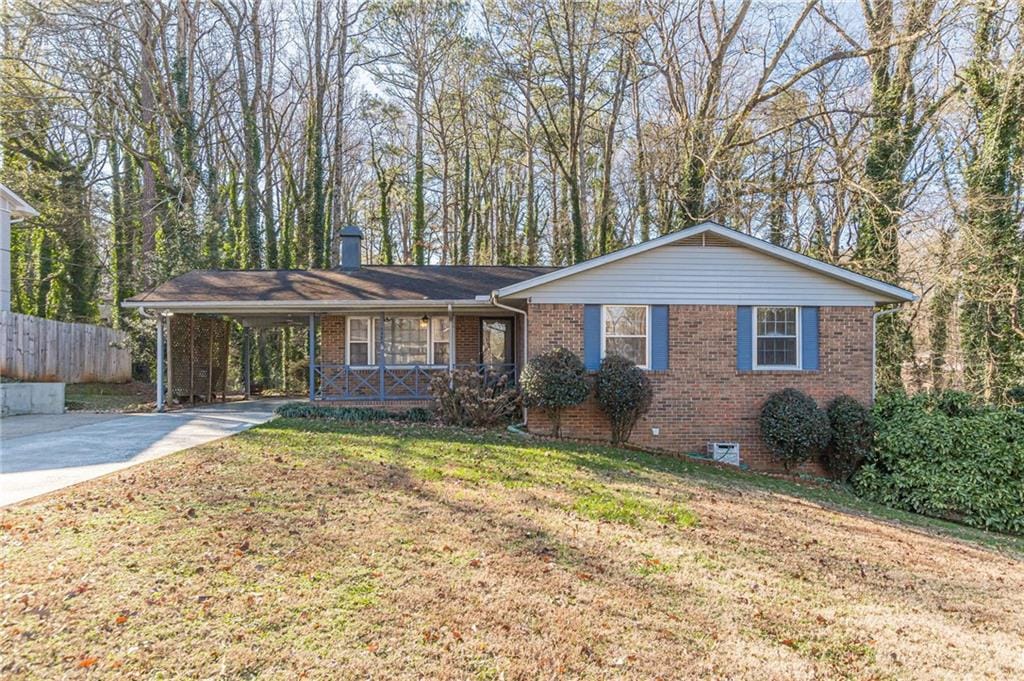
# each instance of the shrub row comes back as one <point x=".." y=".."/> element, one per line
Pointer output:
<point x="303" y="410"/>
<point x="795" y="430"/>
<point x="946" y="456"/>
<point x="557" y="380"/>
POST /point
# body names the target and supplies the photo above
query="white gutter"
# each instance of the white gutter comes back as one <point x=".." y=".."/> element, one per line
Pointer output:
<point x="874" y="346"/>
<point x="299" y="305"/>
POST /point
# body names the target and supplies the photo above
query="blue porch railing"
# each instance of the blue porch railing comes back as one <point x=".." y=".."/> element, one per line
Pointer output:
<point x="342" y="382"/>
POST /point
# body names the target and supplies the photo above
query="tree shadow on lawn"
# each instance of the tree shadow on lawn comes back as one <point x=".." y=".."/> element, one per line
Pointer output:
<point x="530" y="461"/>
<point x="796" y="571"/>
<point x="419" y="450"/>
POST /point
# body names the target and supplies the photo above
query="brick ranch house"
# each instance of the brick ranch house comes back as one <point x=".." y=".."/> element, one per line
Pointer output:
<point x="719" y="318"/>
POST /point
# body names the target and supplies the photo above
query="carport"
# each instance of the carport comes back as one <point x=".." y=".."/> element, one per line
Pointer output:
<point x="192" y="350"/>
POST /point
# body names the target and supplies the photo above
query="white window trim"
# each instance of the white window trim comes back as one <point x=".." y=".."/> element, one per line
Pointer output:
<point x="371" y="323"/>
<point x="799" y="342"/>
<point x="431" y="342"/>
<point x="372" y="346"/>
<point x="647" y="329"/>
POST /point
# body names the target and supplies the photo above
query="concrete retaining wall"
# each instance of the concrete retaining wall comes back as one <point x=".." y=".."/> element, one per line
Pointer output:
<point x="31" y="398"/>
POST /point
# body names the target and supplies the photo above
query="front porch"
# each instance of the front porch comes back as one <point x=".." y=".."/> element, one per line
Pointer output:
<point x="371" y="357"/>
<point x="376" y="357"/>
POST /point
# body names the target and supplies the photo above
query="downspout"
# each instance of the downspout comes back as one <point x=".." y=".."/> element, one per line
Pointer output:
<point x="526" y="329"/>
<point x="874" y="346"/>
<point x="526" y="336"/>
<point x="451" y="346"/>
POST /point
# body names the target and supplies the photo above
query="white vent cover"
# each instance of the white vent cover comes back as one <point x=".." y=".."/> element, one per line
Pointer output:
<point x="725" y="452"/>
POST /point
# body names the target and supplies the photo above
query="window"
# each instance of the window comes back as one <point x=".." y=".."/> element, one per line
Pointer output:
<point x="776" y="338"/>
<point x="625" y="332"/>
<point x="357" y="338"/>
<point x="406" y="340"/>
<point x="439" y="337"/>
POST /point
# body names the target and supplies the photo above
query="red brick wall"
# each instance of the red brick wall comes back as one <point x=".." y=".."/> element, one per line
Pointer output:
<point x="467" y="339"/>
<point x="702" y="397"/>
<point x="332" y="339"/>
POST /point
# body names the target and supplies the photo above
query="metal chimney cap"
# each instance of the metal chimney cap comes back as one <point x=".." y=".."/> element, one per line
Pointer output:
<point x="351" y="230"/>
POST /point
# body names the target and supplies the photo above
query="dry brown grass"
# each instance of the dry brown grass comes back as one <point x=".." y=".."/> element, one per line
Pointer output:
<point x="418" y="553"/>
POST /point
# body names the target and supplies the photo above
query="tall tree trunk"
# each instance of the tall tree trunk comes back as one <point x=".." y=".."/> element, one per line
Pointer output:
<point x="993" y="284"/>
<point x="605" y="222"/>
<point x="640" y="167"/>
<point x="419" y="226"/>
<point x="340" y="208"/>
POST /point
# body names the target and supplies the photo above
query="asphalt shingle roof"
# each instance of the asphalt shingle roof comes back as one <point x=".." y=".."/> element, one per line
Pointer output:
<point x="370" y="282"/>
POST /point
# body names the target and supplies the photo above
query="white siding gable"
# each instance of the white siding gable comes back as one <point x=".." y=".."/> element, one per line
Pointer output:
<point x="700" y="275"/>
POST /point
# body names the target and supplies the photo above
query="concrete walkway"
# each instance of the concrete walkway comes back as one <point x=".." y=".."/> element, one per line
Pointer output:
<point x="39" y="454"/>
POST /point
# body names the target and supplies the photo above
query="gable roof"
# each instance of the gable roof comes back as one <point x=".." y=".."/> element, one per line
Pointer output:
<point x="18" y="206"/>
<point x="370" y="284"/>
<point x="888" y="292"/>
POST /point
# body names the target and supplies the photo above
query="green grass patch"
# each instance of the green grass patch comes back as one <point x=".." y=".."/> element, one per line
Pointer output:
<point x="631" y="510"/>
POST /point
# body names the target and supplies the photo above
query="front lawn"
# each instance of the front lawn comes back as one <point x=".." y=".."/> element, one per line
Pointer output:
<point x="333" y="551"/>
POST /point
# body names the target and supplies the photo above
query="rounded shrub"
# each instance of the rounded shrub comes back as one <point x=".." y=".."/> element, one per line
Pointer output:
<point x="624" y="393"/>
<point x="793" y="427"/>
<point x="852" y="432"/>
<point x="553" y="382"/>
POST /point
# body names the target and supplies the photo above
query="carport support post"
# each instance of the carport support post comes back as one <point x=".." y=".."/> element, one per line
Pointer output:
<point x="312" y="357"/>
<point x="159" y="362"/>
<point x="246" y="363"/>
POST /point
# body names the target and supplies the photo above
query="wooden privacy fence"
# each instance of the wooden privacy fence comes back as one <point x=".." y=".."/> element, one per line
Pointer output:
<point x="36" y="349"/>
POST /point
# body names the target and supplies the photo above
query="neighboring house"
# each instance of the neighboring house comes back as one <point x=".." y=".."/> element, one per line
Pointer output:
<point x="720" y="319"/>
<point x="13" y="209"/>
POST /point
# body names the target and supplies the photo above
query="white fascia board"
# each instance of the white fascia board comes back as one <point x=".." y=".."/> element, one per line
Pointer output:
<point x="294" y="305"/>
<point x="16" y="205"/>
<point x="895" y="293"/>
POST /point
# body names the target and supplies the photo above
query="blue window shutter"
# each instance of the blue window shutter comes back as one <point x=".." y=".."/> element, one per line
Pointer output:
<point x="592" y="337"/>
<point x="659" y="337"/>
<point x="744" y="339"/>
<point x="809" y="338"/>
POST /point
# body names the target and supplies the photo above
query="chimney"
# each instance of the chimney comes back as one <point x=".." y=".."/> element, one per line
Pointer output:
<point x="351" y="247"/>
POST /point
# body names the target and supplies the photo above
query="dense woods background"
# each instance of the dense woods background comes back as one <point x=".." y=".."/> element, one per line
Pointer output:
<point x="158" y="137"/>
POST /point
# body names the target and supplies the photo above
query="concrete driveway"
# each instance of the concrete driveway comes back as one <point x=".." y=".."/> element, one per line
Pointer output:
<point x="39" y="454"/>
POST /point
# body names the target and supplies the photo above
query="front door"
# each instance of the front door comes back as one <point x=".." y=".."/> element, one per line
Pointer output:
<point x="497" y="347"/>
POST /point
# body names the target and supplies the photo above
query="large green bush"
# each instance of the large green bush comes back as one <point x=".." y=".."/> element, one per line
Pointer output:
<point x="555" y="381"/>
<point x="852" y="434"/>
<point x="947" y="457"/>
<point x="624" y="393"/>
<point x="793" y="427"/>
